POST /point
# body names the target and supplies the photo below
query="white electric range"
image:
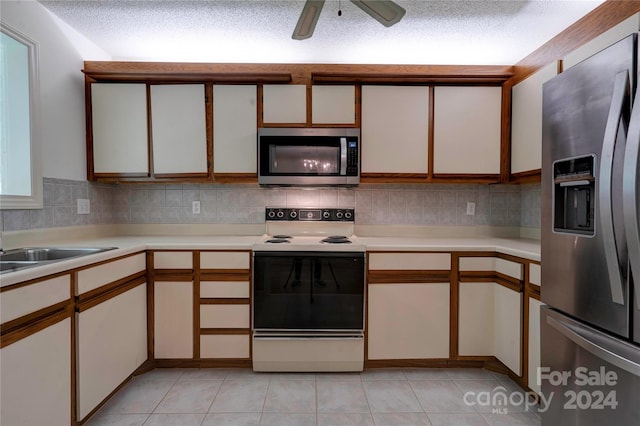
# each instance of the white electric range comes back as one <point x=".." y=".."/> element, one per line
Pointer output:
<point x="308" y="292"/>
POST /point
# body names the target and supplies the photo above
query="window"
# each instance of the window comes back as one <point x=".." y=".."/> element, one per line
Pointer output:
<point x="20" y="168"/>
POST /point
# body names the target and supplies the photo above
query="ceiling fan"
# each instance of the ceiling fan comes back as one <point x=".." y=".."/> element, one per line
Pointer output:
<point x="384" y="11"/>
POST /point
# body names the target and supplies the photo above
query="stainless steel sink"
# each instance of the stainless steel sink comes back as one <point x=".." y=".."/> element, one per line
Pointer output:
<point x="13" y="260"/>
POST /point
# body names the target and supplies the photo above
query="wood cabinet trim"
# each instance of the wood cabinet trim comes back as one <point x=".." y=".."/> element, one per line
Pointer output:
<point x="224" y="331"/>
<point x="96" y="292"/>
<point x="114" y="291"/>
<point x="35" y="322"/>
<point x="224" y="301"/>
<point x="408" y="277"/>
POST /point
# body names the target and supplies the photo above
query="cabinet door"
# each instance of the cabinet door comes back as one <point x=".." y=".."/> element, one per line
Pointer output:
<point x="333" y="104"/>
<point x="111" y="344"/>
<point x="609" y="37"/>
<point x="395" y="129"/>
<point x="119" y="128"/>
<point x="467" y="130"/>
<point x="173" y="319"/>
<point x="526" y="120"/>
<point x="408" y="321"/>
<point x="476" y="319"/>
<point x="534" y="344"/>
<point x="508" y="338"/>
<point x="36" y="378"/>
<point x="234" y="129"/>
<point x="178" y="127"/>
<point x="284" y="103"/>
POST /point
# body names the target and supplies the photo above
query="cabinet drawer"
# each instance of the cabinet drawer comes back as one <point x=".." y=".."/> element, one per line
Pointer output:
<point x="225" y="260"/>
<point x="172" y="260"/>
<point x="534" y="274"/>
<point x="224" y="316"/>
<point x="506" y="267"/>
<point x="224" y="346"/>
<point x="25" y="300"/>
<point x="409" y="261"/>
<point x="92" y="278"/>
<point x="224" y="289"/>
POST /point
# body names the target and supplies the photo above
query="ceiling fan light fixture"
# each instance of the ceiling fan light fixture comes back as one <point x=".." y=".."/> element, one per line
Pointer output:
<point x="386" y="12"/>
<point x="308" y="20"/>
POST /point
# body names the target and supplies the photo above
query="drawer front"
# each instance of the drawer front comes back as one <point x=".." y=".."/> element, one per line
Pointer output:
<point x="172" y="260"/>
<point x="477" y="263"/>
<point x="225" y="260"/>
<point x="512" y="269"/>
<point x="92" y="278"/>
<point x="409" y="261"/>
<point x="224" y="346"/>
<point x="534" y="274"/>
<point x="224" y="289"/>
<point x="503" y="266"/>
<point x="25" y="300"/>
<point x="224" y="316"/>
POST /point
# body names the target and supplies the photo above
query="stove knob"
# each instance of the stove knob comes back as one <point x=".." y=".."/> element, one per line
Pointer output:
<point x="271" y="214"/>
<point x="348" y="214"/>
<point x="326" y="214"/>
<point x="280" y="214"/>
<point x="293" y="214"/>
<point x="339" y="214"/>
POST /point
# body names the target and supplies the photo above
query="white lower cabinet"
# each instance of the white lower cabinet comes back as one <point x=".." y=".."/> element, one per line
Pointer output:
<point x="173" y="319"/>
<point x="408" y="321"/>
<point x="111" y="345"/>
<point x="534" y="344"/>
<point x="36" y="378"/>
<point x="489" y="322"/>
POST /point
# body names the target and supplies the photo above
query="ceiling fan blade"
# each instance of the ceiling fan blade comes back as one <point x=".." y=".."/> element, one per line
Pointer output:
<point x="384" y="11"/>
<point x="308" y="19"/>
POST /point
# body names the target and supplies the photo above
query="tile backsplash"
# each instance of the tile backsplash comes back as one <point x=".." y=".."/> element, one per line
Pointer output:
<point x="375" y="204"/>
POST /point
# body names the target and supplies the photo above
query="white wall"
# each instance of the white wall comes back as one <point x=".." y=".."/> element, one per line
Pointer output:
<point x="61" y="88"/>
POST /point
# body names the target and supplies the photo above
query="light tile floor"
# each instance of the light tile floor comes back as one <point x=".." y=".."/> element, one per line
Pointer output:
<point x="395" y="397"/>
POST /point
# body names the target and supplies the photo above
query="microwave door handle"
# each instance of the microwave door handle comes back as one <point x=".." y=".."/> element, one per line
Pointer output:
<point x="606" y="176"/>
<point x="630" y="194"/>
<point x="343" y="156"/>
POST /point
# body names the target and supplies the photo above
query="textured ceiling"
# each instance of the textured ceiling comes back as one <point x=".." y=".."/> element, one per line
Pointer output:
<point x="432" y="32"/>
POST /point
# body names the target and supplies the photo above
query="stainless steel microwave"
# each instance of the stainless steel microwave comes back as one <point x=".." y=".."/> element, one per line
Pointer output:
<point x="309" y="156"/>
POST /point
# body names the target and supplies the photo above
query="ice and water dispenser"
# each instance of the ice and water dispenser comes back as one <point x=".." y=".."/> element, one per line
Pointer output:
<point x="574" y="195"/>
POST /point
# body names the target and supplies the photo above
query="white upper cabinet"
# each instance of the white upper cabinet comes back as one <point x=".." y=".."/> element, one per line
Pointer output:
<point x="178" y="128"/>
<point x="395" y="129"/>
<point x="234" y="128"/>
<point x="333" y="104"/>
<point x="119" y="124"/>
<point x="526" y="120"/>
<point x="467" y="129"/>
<point x="284" y="103"/>
<point x="609" y="37"/>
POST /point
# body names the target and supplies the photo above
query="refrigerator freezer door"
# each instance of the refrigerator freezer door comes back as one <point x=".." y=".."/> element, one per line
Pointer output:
<point x="576" y="106"/>
<point x="631" y="206"/>
<point x="588" y="378"/>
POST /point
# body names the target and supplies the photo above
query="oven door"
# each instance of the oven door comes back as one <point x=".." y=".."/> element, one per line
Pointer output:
<point x="310" y="292"/>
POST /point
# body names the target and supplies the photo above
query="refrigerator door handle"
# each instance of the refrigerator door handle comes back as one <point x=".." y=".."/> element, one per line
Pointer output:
<point x="630" y="194"/>
<point x="589" y="341"/>
<point x="606" y="175"/>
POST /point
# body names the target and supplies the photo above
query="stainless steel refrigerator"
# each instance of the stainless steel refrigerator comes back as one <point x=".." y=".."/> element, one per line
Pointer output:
<point x="590" y="328"/>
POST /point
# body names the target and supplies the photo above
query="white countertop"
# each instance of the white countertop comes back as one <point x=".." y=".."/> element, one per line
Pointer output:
<point x="529" y="249"/>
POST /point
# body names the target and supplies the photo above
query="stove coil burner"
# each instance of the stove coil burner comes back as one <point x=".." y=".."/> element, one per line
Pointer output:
<point x="336" y="239"/>
<point x="279" y="239"/>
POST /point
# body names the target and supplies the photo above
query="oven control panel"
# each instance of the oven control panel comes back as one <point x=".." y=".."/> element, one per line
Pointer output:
<point x="304" y="214"/>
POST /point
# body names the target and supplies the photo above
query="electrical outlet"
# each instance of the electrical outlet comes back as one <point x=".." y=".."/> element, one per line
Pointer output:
<point x="471" y="208"/>
<point x="84" y="206"/>
<point x="195" y="207"/>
